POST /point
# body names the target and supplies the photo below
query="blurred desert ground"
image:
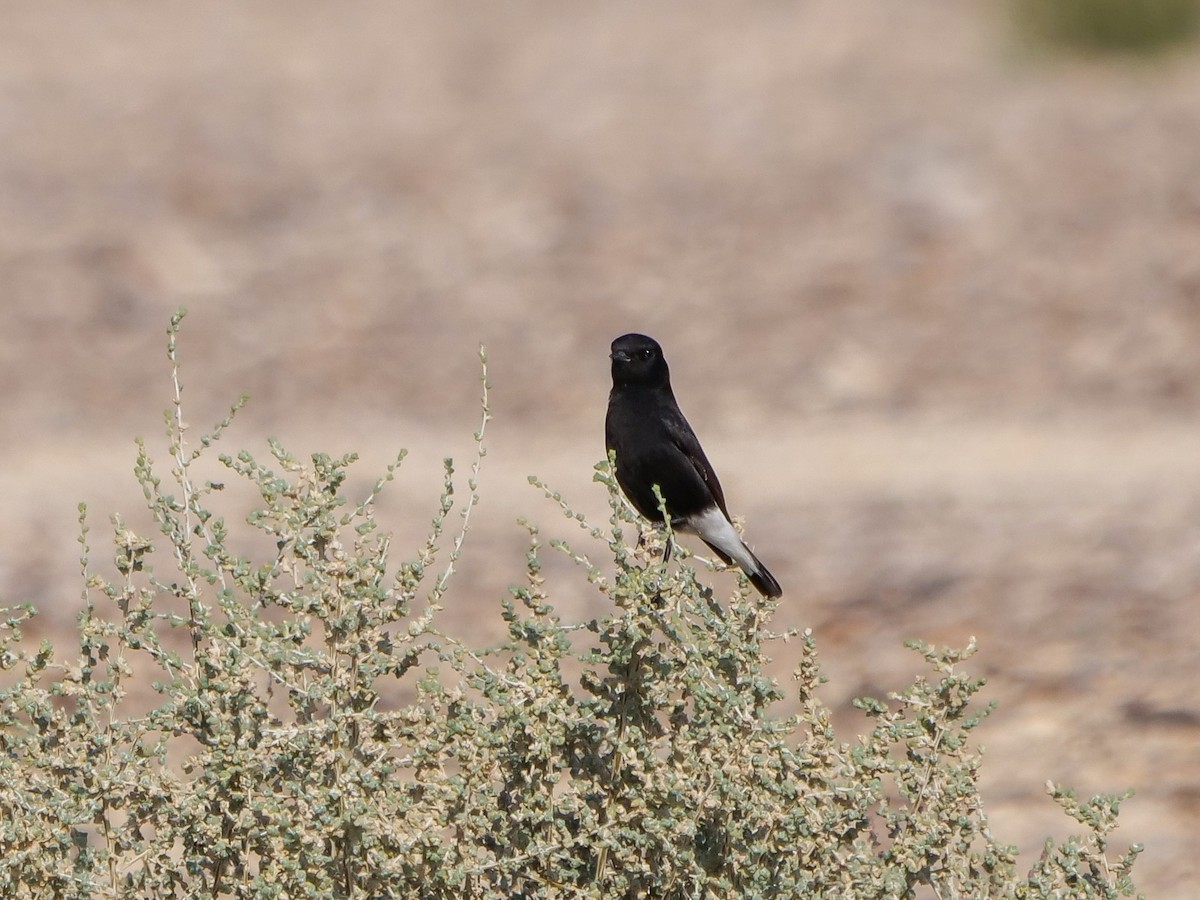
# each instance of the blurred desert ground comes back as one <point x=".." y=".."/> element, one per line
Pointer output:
<point x="931" y="299"/>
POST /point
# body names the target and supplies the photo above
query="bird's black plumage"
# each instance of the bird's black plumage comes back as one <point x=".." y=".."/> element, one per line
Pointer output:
<point x="655" y="445"/>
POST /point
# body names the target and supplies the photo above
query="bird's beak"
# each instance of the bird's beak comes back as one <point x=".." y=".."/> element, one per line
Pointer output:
<point x="619" y="356"/>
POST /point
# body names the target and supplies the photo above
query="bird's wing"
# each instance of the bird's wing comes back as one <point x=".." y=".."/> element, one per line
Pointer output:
<point x="685" y="439"/>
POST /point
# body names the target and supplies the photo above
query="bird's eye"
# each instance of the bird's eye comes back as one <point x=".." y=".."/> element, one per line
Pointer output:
<point x="644" y="354"/>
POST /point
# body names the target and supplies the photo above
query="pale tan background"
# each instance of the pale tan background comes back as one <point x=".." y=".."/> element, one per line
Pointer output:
<point x="932" y="303"/>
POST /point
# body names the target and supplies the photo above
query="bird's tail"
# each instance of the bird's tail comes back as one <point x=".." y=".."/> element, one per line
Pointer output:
<point x="764" y="582"/>
<point x="722" y="538"/>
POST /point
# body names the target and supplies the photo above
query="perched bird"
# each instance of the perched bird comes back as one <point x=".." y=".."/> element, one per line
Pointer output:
<point x="655" y="445"/>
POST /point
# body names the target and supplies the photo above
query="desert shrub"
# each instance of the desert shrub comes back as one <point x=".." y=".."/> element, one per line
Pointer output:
<point x="314" y="732"/>
<point x="1132" y="28"/>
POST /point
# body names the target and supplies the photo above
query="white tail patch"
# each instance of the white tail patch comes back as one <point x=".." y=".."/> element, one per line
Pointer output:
<point x="713" y="528"/>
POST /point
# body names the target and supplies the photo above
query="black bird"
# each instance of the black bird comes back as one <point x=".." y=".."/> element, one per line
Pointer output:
<point x="655" y="445"/>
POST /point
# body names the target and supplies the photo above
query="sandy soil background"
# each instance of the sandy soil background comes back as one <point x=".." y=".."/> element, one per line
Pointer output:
<point x="931" y="301"/>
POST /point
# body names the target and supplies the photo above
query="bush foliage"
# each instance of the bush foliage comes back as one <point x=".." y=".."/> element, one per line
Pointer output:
<point x="1132" y="28"/>
<point x="314" y="732"/>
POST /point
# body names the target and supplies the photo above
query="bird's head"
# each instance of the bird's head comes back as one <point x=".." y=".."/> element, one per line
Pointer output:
<point x="637" y="359"/>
